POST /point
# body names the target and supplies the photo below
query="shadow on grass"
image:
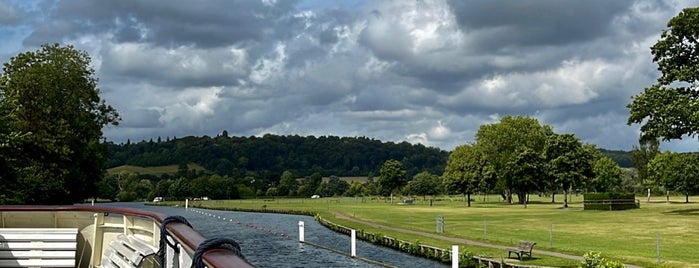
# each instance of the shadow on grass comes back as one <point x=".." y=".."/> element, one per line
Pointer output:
<point x="692" y="212"/>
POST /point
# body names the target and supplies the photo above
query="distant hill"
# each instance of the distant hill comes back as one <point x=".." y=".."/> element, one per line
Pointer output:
<point x="622" y="158"/>
<point x="270" y="155"/>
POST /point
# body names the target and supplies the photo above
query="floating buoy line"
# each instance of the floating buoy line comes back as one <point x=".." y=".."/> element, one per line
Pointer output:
<point x="257" y="227"/>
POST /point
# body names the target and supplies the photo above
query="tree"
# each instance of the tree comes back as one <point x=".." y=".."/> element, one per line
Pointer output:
<point x="667" y="109"/>
<point x="676" y="171"/>
<point x="392" y="176"/>
<point x="466" y="169"/>
<point x="50" y="97"/>
<point x="641" y="156"/>
<point x="607" y="175"/>
<point x="504" y="141"/>
<point x="568" y="163"/>
<point x="310" y="185"/>
<point x="287" y="184"/>
<point x="425" y="183"/>
<point x="527" y="166"/>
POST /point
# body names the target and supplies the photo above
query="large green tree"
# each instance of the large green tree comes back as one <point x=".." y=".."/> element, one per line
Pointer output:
<point x="513" y="139"/>
<point x="568" y="163"/>
<point x="50" y="96"/>
<point x="676" y="171"/>
<point x="607" y="175"/>
<point x="669" y="109"/>
<point x="425" y="183"/>
<point x="465" y="171"/>
<point x="392" y="177"/>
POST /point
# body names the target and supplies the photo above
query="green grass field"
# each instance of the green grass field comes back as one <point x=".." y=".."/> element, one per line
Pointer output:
<point x="630" y="236"/>
<point x="171" y="169"/>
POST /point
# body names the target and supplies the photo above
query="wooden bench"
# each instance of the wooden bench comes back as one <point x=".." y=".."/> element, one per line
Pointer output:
<point x="129" y="251"/>
<point x="523" y="248"/>
<point x="38" y="247"/>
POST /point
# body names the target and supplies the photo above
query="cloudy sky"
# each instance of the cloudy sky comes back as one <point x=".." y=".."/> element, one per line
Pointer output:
<point x="421" y="71"/>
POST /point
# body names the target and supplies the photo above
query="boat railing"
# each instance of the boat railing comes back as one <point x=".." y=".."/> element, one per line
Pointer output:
<point x="102" y="222"/>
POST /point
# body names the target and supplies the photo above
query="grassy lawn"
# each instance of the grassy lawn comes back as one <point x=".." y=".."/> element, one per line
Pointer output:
<point x="159" y="170"/>
<point x="629" y="235"/>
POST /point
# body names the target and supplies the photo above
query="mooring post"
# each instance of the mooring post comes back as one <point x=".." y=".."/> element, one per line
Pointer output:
<point x="301" y="231"/>
<point x="354" y="243"/>
<point x="455" y="256"/>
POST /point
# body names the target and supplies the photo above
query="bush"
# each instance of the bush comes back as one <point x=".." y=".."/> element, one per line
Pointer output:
<point x="595" y="260"/>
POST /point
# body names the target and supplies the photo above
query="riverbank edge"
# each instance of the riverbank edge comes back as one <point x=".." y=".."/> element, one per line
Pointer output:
<point x="466" y="258"/>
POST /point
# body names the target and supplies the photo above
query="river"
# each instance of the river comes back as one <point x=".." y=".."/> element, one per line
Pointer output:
<point x="271" y="240"/>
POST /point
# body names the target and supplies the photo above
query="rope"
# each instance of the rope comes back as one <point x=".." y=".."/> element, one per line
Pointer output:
<point x="163" y="236"/>
<point x="212" y="243"/>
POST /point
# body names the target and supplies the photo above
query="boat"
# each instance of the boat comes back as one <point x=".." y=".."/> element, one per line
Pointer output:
<point x="88" y="236"/>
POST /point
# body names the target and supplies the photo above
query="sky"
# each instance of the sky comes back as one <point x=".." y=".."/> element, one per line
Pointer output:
<point x="425" y="71"/>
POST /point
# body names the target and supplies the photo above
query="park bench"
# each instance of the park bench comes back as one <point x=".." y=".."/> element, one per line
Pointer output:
<point x="523" y="248"/>
<point x="38" y="247"/>
<point x="129" y="251"/>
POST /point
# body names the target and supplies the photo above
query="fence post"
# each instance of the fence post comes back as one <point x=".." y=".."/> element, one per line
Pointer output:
<point x="301" y="231"/>
<point x="485" y="229"/>
<point x="354" y="243"/>
<point x="455" y="256"/>
<point x="657" y="246"/>
<point x="551" y="236"/>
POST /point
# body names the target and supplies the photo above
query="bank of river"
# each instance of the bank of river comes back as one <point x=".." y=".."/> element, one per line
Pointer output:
<point x="271" y="240"/>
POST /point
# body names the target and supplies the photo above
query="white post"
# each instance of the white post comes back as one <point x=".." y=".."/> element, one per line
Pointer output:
<point x="93" y="201"/>
<point x="301" y="231"/>
<point x="455" y="256"/>
<point x="354" y="243"/>
<point x="186" y="203"/>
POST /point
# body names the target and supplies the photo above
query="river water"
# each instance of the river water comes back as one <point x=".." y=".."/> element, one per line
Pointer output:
<point x="271" y="240"/>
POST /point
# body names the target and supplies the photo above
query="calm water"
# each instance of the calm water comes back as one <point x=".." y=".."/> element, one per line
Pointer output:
<point x="262" y="247"/>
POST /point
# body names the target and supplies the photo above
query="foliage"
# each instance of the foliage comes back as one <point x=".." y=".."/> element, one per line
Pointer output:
<point x="642" y="155"/>
<point x="392" y="176"/>
<point x="425" y="183"/>
<point x="50" y="98"/>
<point x="274" y="154"/>
<point x="595" y="260"/>
<point x="466" y="171"/>
<point x="607" y="175"/>
<point x="288" y="186"/>
<point x="667" y="108"/>
<point x="676" y="171"/>
<point x="512" y="140"/>
<point x="333" y="187"/>
<point x="568" y="163"/>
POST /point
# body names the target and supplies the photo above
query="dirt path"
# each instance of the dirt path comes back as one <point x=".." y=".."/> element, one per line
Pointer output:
<point x="460" y="240"/>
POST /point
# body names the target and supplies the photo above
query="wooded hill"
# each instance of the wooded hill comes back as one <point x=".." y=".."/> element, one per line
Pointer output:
<point x="270" y="155"/>
<point x="273" y="154"/>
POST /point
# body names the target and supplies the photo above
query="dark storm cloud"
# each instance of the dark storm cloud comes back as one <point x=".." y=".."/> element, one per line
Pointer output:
<point x="170" y="23"/>
<point x="534" y="23"/>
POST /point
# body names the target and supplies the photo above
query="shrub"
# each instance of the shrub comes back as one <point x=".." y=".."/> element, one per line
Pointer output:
<point x="595" y="260"/>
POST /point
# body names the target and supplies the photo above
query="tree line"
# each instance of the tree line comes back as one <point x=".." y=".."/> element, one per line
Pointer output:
<point x="274" y="154"/>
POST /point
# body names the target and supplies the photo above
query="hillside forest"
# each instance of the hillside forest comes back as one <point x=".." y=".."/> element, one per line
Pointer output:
<point x="229" y="167"/>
